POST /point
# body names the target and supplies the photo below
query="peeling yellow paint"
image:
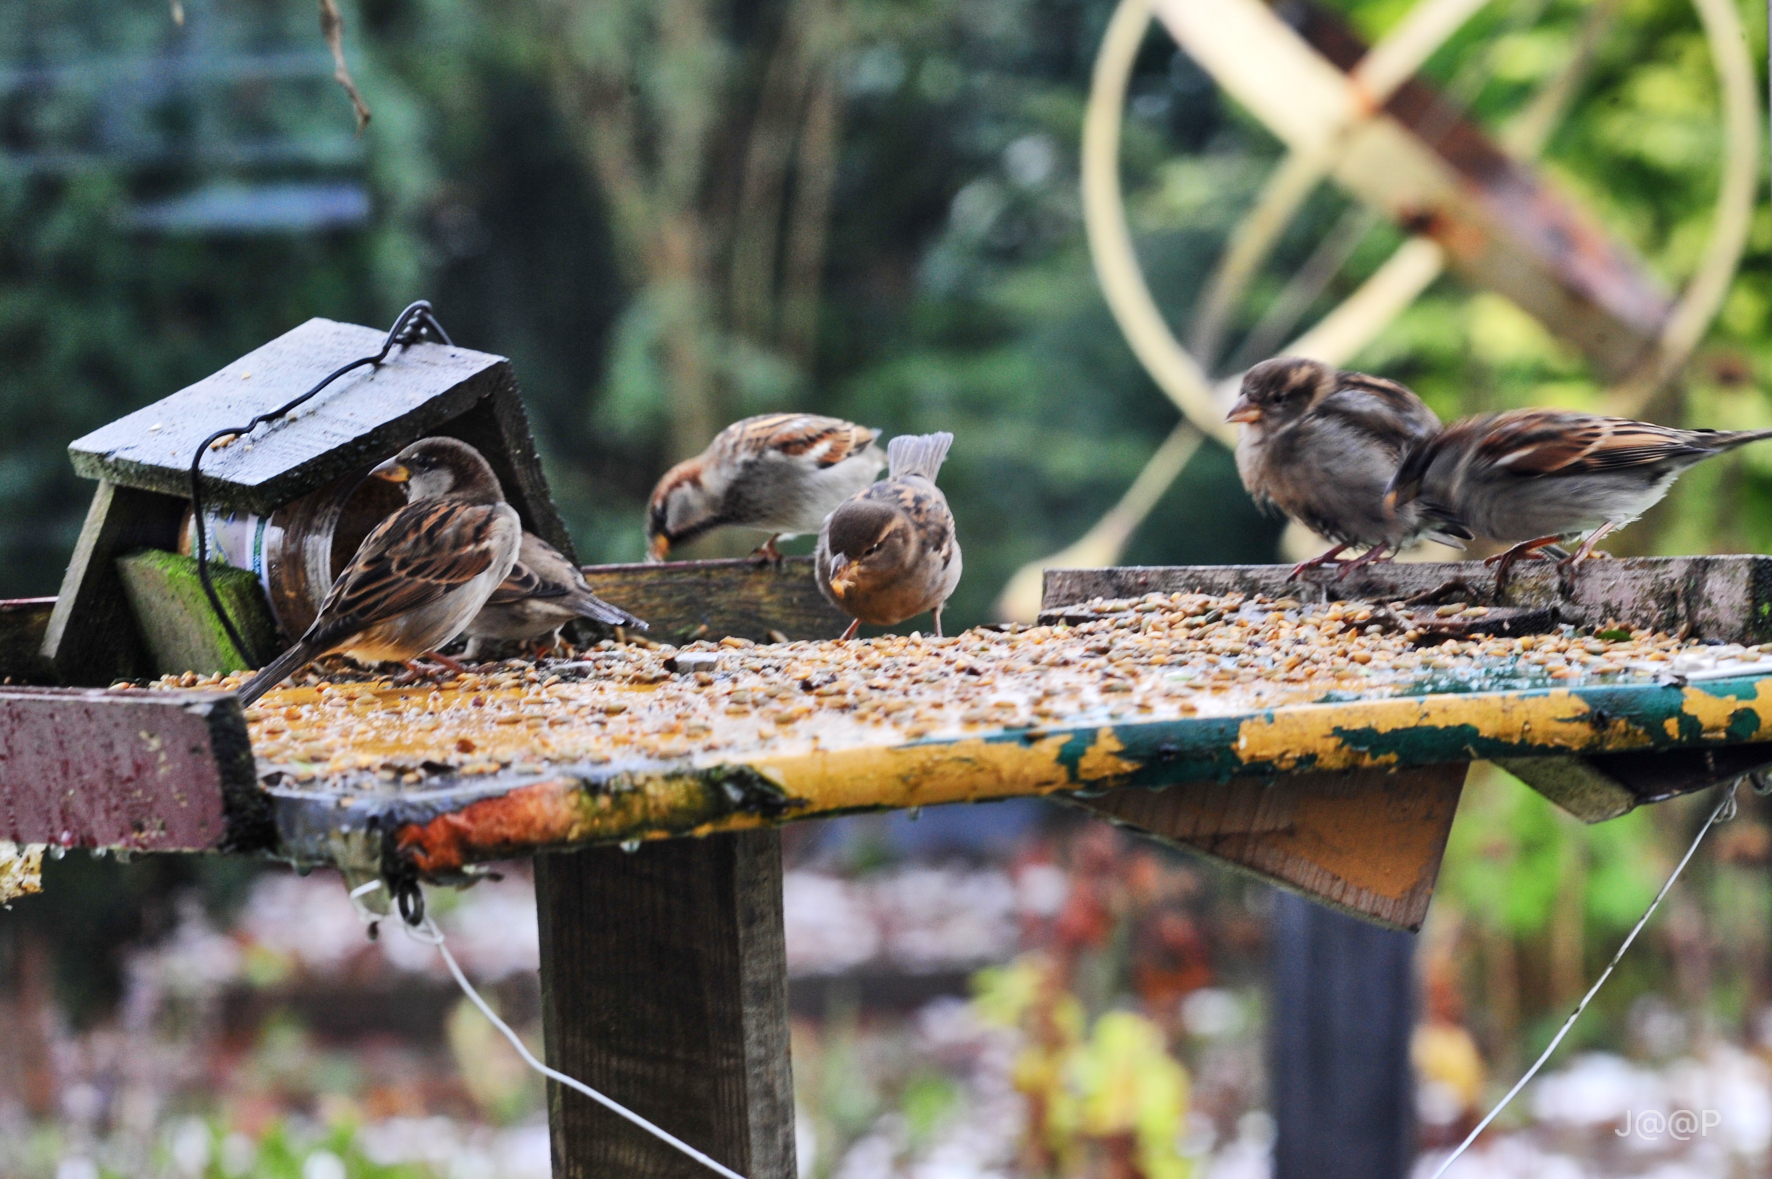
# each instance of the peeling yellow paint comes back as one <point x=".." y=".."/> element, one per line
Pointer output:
<point x="1102" y="760"/>
<point x="1310" y="735"/>
<point x="1716" y="713"/>
<point x="921" y="775"/>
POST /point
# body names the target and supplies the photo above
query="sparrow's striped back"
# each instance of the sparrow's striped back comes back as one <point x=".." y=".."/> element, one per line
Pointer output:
<point x="827" y="441"/>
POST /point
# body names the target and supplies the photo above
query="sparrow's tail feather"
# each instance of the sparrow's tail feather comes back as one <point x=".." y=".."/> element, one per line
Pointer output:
<point x="591" y="606"/>
<point x="918" y="454"/>
<point x="1729" y="440"/>
<point x="275" y="672"/>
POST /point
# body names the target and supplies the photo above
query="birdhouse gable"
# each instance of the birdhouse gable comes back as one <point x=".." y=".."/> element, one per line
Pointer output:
<point x="359" y="419"/>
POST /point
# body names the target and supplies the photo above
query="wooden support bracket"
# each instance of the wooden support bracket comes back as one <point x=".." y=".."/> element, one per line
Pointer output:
<point x="92" y="639"/>
<point x="1367" y="842"/>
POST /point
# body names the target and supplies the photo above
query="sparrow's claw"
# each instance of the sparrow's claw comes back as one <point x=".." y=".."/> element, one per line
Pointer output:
<point x="1317" y="562"/>
<point x="1566" y="567"/>
<point x="1372" y="556"/>
<point x="1504" y="562"/>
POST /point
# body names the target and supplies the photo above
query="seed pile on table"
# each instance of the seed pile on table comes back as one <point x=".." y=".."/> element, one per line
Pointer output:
<point x="1156" y="657"/>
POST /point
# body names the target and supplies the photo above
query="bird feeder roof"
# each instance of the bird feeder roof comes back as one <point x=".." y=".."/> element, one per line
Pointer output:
<point x="356" y="421"/>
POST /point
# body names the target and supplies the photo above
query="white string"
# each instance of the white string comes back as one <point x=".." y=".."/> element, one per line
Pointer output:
<point x="426" y="931"/>
<point x="1724" y="811"/>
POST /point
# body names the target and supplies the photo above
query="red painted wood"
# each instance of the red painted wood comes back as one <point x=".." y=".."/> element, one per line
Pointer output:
<point x="130" y="769"/>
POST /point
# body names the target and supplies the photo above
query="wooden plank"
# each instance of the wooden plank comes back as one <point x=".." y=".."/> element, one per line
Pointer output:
<point x="1726" y="598"/>
<point x="353" y="424"/>
<point x="741" y="597"/>
<point x="664" y="985"/>
<point x="1604" y="786"/>
<point x="92" y="638"/>
<point x="1367" y="842"/>
<point x="23" y="624"/>
<point x="151" y="771"/>
<point x="180" y="627"/>
<point x="1501" y="225"/>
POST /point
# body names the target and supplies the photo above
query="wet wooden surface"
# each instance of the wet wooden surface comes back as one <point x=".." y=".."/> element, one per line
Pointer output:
<point x="354" y="423"/>
<point x="755" y="600"/>
<point x="23" y="624"/>
<point x="664" y="985"/>
<point x="146" y="771"/>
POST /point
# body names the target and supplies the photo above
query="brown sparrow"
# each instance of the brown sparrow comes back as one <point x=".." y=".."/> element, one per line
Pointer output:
<point x="422" y="574"/>
<point x="543" y="592"/>
<point x="1321" y="444"/>
<point x="1530" y="477"/>
<point x="888" y="553"/>
<point x="780" y="473"/>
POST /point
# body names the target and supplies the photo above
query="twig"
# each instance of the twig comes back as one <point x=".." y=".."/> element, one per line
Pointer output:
<point x="332" y="27"/>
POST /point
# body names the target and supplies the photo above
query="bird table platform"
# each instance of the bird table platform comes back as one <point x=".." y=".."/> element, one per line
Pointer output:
<point x="1315" y="734"/>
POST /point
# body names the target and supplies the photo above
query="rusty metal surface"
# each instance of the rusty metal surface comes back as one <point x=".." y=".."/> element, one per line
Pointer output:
<point x="1505" y="198"/>
<point x="148" y="771"/>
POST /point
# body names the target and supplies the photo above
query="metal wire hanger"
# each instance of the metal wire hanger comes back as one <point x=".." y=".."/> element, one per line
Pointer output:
<point x="413" y="323"/>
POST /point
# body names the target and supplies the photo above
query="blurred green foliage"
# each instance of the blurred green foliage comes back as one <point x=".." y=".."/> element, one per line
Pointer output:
<point x="951" y="285"/>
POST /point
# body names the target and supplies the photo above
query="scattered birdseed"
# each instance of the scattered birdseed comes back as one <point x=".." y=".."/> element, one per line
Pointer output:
<point x="1157" y="657"/>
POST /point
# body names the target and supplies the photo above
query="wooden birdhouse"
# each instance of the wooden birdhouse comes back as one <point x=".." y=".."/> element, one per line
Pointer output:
<point x="284" y="506"/>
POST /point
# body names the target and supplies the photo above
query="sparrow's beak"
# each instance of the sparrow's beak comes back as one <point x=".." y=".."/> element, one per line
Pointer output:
<point x="1244" y="411"/>
<point x="661" y="548"/>
<point x="843" y="572"/>
<point x="393" y="471"/>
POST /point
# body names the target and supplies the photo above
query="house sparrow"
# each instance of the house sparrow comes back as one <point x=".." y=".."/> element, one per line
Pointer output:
<point x="543" y="593"/>
<point x="888" y="553"/>
<point x="422" y="574"/>
<point x="1530" y="477"/>
<point x="781" y="473"/>
<point x="1320" y="445"/>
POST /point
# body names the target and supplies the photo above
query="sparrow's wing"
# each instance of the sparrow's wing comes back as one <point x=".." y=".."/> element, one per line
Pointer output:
<point x="415" y="557"/>
<point x="824" y="441"/>
<point x="1552" y="442"/>
<point x="541" y="571"/>
<point x="522" y="584"/>
<point x="1387" y="411"/>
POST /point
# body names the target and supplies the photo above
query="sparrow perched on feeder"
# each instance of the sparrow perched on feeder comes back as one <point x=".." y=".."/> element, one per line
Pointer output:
<point x="543" y="593"/>
<point x="1530" y="477"/>
<point x="888" y="553"/>
<point x="1320" y="444"/>
<point x="422" y="574"/>
<point x="780" y="473"/>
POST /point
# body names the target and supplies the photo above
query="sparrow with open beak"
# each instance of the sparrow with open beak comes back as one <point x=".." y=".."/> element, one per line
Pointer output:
<point x="888" y="553"/>
<point x="1531" y="477"/>
<point x="779" y="473"/>
<point x="1320" y="445"/>
<point x="422" y="574"/>
<point x="543" y="592"/>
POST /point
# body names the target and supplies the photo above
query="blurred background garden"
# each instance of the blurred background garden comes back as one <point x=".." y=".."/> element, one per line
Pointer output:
<point x="671" y="213"/>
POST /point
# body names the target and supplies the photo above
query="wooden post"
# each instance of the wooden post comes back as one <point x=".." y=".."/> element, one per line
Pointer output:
<point x="1343" y="1013"/>
<point x="664" y="986"/>
<point x="664" y="970"/>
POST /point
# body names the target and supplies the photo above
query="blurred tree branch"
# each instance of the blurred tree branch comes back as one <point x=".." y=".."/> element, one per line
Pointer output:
<point x="724" y="247"/>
